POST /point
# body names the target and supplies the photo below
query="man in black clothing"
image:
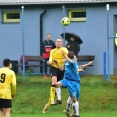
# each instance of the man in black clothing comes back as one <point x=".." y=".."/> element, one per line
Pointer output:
<point x="73" y="45"/>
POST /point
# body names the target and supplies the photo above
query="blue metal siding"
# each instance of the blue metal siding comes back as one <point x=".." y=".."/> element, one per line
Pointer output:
<point x="113" y="30"/>
<point x="93" y="33"/>
<point x="11" y="37"/>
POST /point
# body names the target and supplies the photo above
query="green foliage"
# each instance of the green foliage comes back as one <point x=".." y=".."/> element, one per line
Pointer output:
<point x="29" y="71"/>
<point x="97" y="95"/>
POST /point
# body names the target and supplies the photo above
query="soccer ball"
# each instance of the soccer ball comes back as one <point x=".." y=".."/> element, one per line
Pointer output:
<point x="65" y="21"/>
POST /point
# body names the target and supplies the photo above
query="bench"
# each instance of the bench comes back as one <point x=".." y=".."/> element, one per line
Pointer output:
<point x="28" y="59"/>
<point x="31" y="58"/>
<point x="83" y="58"/>
<point x="86" y="58"/>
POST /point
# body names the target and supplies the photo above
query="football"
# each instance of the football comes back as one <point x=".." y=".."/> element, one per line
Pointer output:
<point x="65" y="21"/>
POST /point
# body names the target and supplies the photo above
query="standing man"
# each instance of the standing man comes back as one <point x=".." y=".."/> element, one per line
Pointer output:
<point x="56" y="73"/>
<point x="47" y="46"/>
<point x="7" y="88"/>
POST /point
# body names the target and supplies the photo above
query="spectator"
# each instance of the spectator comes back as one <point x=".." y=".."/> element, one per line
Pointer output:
<point x="73" y="45"/>
<point x="47" y="46"/>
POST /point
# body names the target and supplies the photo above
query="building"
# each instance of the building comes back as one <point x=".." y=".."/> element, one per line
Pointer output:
<point x="88" y="20"/>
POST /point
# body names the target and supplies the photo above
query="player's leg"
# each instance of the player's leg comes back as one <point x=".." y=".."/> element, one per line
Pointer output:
<point x="53" y="89"/>
<point x="7" y="112"/>
<point x="46" y="106"/>
<point x="5" y="104"/>
<point x="69" y="100"/>
<point x="75" y="97"/>
<point x="75" y="108"/>
<point x="69" y="103"/>
<point x="52" y="94"/>
<point x="58" y="84"/>
<point x="1" y="112"/>
<point x="58" y="90"/>
<point x="58" y="94"/>
<point x="1" y="108"/>
<point x="73" y="90"/>
<point x="64" y="83"/>
<point x="54" y="72"/>
<point x="45" y="67"/>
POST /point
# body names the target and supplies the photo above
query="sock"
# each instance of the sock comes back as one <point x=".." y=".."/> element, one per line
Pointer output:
<point x="49" y="102"/>
<point x="69" y="102"/>
<point x="75" y="108"/>
<point x="52" y="93"/>
<point x="58" y="92"/>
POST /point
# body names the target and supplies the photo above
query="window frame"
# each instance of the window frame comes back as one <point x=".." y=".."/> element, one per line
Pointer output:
<point x="6" y="20"/>
<point x="82" y="19"/>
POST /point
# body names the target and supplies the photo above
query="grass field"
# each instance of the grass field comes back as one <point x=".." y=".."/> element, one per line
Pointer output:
<point x="63" y="115"/>
<point x="98" y="97"/>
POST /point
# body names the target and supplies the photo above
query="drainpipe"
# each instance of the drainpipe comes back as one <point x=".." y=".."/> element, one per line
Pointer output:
<point x="41" y="30"/>
<point x="41" y="37"/>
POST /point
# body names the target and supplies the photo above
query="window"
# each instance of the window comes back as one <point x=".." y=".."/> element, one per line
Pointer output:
<point x="11" y="17"/>
<point x="77" y="15"/>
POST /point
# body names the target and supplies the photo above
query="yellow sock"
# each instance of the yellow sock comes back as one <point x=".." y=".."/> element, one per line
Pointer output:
<point x="52" y="93"/>
<point x="48" y="104"/>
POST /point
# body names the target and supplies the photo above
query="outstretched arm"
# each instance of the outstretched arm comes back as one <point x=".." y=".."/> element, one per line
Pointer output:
<point x="80" y="70"/>
<point x="85" y="65"/>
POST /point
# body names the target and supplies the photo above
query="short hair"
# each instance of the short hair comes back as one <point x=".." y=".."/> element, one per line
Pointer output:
<point x="48" y="34"/>
<point x="6" y="62"/>
<point x="71" y="55"/>
<point x="58" y="38"/>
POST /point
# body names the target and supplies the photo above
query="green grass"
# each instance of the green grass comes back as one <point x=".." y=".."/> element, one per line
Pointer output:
<point x="62" y="115"/>
<point x="98" y="98"/>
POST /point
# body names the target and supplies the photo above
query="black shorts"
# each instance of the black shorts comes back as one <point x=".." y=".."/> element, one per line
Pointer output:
<point x="5" y="103"/>
<point x="56" y="72"/>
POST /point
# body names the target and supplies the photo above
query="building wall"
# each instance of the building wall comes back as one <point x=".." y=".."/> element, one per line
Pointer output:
<point x="93" y="32"/>
<point x="113" y="24"/>
<point x="11" y="36"/>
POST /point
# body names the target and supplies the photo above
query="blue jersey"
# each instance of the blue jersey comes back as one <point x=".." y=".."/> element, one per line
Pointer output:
<point x="71" y="71"/>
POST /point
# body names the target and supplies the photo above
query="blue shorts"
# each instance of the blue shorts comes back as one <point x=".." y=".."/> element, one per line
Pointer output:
<point x="73" y="87"/>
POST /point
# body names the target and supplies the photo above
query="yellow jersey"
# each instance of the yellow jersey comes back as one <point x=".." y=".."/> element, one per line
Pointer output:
<point x="7" y="83"/>
<point x="56" y="54"/>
